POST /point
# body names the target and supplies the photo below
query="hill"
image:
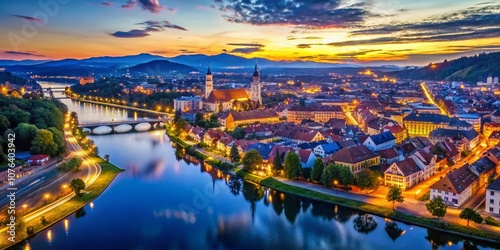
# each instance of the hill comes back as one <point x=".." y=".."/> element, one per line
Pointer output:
<point x="158" y="67"/>
<point x="469" y="69"/>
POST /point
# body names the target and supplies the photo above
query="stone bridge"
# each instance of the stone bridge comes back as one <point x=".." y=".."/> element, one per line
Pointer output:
<point x="124" y="126"/>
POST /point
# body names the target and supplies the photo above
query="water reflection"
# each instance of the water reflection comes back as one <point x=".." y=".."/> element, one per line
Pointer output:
<point x="80" y="213"/>
<point x="393" y="230"/>
<point x="364" y="223"/>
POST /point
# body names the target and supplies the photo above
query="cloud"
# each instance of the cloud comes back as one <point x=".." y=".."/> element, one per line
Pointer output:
<point x="185" y="51"/>
<point x="310" y="14"/>
<point x="224" y="50"/>
<point x="108" y="4"/>
<point x="246" y="44"/>
<point x="130" y="34"/>
<point x="33" y="19"/>
<point x="130" y="4"/>
<point x="247" y="50"/>
<point x="23" y="53"/>
<point x="160" y="25"/>
<point x="152" y="6"/>
<point x="290" y="38"/>
<point x="471" y="23"/>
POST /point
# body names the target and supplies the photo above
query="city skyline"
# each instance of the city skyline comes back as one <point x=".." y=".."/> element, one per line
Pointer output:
<point x="359" y="32"/>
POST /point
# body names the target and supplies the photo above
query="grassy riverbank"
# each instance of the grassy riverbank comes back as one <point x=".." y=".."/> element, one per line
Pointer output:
<point x="108" y="173"/>
<point x="383" y="211"/>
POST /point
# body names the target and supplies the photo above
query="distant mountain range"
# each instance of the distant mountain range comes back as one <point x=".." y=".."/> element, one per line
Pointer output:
<point x="156" y="67"/>
<point x="470" y="69"/>
<point x="108" y="64"/>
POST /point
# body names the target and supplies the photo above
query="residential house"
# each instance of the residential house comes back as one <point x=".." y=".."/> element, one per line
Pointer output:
<point x="407" y="149"/>
<point x="212" y="136"/>
<point x="356" y="158"/>
<point x="326" y="149"/>
<point x="493" y="198"/>
<point x="389" y="156"/>
<point x="224" y="144"/>
<point x="381" y="141"/>
<point x="38" y="160"/>
<point x="234" y="119"/>
<point x="485" y="169"/>
<point x="399" y="132"/>
<point x="307" y="158"/>
<point x="464" y="140"/>
<point x="404" y="174"/>
<point x="426" y="161"/>
<point x="263" y="149"/>
<point x="196" y="134"/>
<point x="456" y="187"/>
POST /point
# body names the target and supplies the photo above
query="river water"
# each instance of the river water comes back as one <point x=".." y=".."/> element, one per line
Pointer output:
<point x="166" y="200"/>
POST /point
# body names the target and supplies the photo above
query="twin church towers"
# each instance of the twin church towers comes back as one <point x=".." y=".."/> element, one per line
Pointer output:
<point x="225" y="97"/>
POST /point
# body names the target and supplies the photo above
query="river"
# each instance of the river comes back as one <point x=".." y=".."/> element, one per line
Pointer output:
<point x="166" y="200"/>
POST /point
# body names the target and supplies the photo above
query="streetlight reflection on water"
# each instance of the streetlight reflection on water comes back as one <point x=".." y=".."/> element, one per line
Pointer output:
<point x="49" y="236"/>
<point x="66" y="227"/>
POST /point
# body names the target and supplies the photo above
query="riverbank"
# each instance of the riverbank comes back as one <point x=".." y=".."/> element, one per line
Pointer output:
<point x="107" y="175"/>
<point x="121" y="106"/>
<point x="376" y="209"/>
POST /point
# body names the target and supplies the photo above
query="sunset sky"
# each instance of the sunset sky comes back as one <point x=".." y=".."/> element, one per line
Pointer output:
<point x="402" y="32"/>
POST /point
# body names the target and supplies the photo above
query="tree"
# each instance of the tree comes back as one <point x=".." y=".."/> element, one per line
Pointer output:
<point x="25" y="133"/>
<point x="470" y="214"/>
<point x="234" y="155"/>
<point x="4" y="124"/>
<point x="394" y="195"/>
<point x="251" y="160"/>
<point x="198" y="117"/>
<point x="364" y="223"/>
<point x="220" y="107"/>
<point x="292" y="166"/>
<point x="177" y="115"/>
<point x="436" y="207"/>
<point x="317" y="169"/>
<point x="367" y="179"/>
<point x="44" y="143"/>
<point x="328" y="175"/>
<point x="58" y="138"/>
<point x="277" y="162"/>
<point x="77" y="185"/>
<point x="345" y="176"/>
<point x="238" y="133"/>
<point x="106" y="157"/>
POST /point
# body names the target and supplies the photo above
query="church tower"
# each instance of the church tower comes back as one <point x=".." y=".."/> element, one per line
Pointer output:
<point x="209" y="83"/>
<point x="256" y="87"/>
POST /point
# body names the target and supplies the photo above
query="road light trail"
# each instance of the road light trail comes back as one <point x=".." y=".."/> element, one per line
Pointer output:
<point x="431" y="98"/>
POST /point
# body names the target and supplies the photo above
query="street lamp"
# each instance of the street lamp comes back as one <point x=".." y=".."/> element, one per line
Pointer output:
<point x="47" y="197"/>
<point x="24" y="208"/>
<point x="418" y="191"/>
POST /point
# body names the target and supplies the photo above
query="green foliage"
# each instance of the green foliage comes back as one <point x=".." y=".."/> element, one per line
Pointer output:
<point x="77" y="185"/>
<point x="234" y="155"/>
<point x="179" y="126"/>
<point x="25" y="134"/>
<point x="436" y="207"/>
<point x="44" y="221"/>
<point x="305" y="173"/>
<point x="277" y="162"/>
<point x="292" y="166"/>
<point x="106" y="157"/>
<point x="73" y="164"/>
<point x="470" y="214"/>
<point x="328" y="175"/>
<point x="4" y="124"/>
<point x="395" y="194"/>
<point x="251" y="160"/>
<point x="345" y="176"/>
<point x="238" y="133"/>
<point x="58" y="140"/>
<point x="44" y="143"/>
<point x="367" y="179"/>
<point x="491" y="221"/>
<point x="472" y="69"/>
<point x="317" y="169"/>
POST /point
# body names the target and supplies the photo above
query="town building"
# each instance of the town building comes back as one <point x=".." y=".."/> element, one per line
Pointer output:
<point x="404" y="174"/>
<point x="422" y="124"/>
<point x="472" y="118"/>
<point x="492" y="202"/>
<point x="234" y="119"/>
<point x="38" y="160"/>
<point x="464" y="140"/>
<point x="381" y="141"/>
<point x="188" y="103"/>
<point x="356" y="158"/>
<point x="307" y="158"/>
<point x="86" y="80"/>
<point x="399" y="132"/>
<point x="321" y="114"/>
<point x="456" y="187"/>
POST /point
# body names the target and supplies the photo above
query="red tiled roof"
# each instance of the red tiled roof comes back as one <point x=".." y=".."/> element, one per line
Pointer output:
<point x="226" y="95"/>
<point x="353" y="155"/>
<point x="254" y="114"/>
<point x="456" y="181"/>
<point x="408" y="166"/>
<point x="304" y="155"/>
<point x="388" y="153"/>
<point x="37" y="157"/>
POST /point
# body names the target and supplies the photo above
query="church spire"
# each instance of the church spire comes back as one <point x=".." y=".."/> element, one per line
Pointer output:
<point x="208" y="71"/>
<point x="256" y="71"/>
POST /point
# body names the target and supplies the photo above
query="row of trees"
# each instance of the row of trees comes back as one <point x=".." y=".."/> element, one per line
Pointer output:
<point x="73" y="164"/>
